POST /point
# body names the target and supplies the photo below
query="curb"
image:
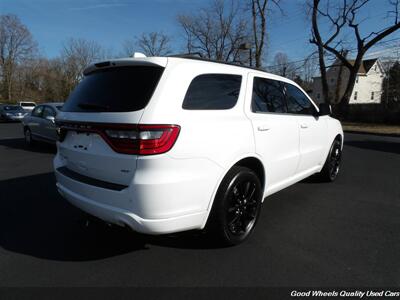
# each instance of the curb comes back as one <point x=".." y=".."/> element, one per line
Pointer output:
<point x="373" y="133"/>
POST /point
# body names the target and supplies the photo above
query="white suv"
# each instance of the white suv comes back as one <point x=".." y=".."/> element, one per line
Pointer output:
<point x="168" y="144"/>
<point x="27" y="106"/>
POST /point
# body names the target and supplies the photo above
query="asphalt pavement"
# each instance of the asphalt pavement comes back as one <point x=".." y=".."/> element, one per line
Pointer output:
<point x="345" y="233"/>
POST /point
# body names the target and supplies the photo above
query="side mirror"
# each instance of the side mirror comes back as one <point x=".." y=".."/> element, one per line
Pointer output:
<point x="50" y="118"/>
<point x="324" y="109"/>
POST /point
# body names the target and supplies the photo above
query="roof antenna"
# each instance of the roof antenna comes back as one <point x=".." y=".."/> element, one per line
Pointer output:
<point x="138" y="55"/>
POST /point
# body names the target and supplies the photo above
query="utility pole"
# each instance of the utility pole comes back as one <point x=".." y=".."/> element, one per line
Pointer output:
<point x="247" y="46"/>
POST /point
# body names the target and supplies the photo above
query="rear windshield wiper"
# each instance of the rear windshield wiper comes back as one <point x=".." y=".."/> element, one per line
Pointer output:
<point x="93" y="106"/>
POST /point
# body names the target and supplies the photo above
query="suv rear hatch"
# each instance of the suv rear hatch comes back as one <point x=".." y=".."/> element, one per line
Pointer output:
<point x="98" y="125"/>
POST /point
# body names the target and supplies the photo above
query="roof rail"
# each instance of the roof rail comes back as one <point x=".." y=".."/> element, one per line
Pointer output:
<point x="187" y="55"/>
<point x="190" y="56"/>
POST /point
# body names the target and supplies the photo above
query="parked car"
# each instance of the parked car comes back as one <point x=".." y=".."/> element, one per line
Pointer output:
<point x="27" y="106"/>
<point x="40" y="124"/>
<point x="11" y="112"/>
<point x="168" y="144"/>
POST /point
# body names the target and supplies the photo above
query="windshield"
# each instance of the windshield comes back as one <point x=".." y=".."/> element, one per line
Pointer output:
<point x="118" y="89"/>
<point x="13" y="108"/>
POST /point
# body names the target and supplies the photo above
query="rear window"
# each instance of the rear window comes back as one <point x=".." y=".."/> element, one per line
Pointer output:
<point x="213" y="91"/>
<point x="118" y="89"/>
<point x="30" y="104"/>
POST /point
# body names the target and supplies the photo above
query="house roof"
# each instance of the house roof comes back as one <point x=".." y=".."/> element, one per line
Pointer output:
<point x="366" y="65"/>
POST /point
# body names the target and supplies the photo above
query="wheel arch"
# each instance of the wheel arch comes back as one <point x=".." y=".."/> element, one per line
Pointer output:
<point x="339" y="137"/>
<point x="255" y="165"/>
<point x="249" y="161"/>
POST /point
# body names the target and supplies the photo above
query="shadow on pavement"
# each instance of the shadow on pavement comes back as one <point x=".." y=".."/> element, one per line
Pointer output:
<point x="35" y="220"/>
<point x="20" y="144"/>
<point x="384" y="146"/>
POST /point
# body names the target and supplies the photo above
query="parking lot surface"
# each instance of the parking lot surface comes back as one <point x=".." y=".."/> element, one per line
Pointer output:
<point x="345" y="233"/>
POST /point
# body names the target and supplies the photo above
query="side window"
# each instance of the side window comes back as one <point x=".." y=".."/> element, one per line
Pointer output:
<point x="268" y="96"/>
<point x="37" y="112"/>
<point x="213" y="91"/>
<point x="48" y="111"/>
<point x="297" y="101"/>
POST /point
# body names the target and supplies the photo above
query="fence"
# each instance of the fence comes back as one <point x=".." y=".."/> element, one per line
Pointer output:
<point x="374" y="113"/>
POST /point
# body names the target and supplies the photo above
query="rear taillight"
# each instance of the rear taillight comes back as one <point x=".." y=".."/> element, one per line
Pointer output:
<point x="129" y="139"/>
<point x="145" y="140"/>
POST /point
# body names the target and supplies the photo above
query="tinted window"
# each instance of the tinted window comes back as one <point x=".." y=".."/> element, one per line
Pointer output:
<point x="48" y="111"/>
<point x="37" y="112"/>
<point x="268" y="96"/>
<point x="213" y="91"/>
<point x="114" y="90"/>
<point x="297" y="101"/>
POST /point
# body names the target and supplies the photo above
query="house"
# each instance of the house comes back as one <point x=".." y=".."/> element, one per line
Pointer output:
<point x="367" y="88"/>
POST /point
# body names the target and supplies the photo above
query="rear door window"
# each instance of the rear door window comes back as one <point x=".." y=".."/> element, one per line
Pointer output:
<point x="268" y="96"/>
<point x="119" y="89"/>
<point x="212" y="92"/>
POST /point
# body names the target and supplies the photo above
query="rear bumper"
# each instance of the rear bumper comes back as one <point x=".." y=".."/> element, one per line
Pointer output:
<point x="123" y="217"/>
<point x="152" y="203"/>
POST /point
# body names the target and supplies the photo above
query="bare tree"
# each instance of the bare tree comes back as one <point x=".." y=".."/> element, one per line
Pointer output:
<point x="216" y="32"/>
<point x="259" y="10"/>
<point x="128" y="48"/>
<point x="154" y="43"/>
<point x="151" y="44"/>
<point x="343" y="16"/>
<point x="310" y="68"/>
<point x="76" y="55"/>
<point x="283" y="66"/>
<point x="16" y="45"/>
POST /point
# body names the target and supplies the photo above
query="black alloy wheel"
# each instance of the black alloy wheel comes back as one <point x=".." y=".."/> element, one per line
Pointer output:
<point x="236" y="207"/>
<point x="335" y="159"/>
<point x="331" y="168"/>
<point x="242" y="207"/>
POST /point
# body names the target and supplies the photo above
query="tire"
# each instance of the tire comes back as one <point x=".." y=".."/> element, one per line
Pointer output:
<point x="331" y="167"/>
<point x="28" y="137"/>
<point x="236" y="207"/>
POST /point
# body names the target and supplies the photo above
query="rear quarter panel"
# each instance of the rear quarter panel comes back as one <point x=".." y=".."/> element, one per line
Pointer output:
<point x="218" y="135"/>
<point x="219" y="138"/>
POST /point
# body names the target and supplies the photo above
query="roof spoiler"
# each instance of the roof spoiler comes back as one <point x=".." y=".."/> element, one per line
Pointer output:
<point x="160" y="62"/>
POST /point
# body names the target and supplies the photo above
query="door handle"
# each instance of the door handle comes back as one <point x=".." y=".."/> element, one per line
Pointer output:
<point x="263" y="128"/>
<point x="303" y="126"/>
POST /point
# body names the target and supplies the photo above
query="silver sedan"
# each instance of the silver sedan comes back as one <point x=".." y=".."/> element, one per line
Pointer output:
<point x="11" y="112"/>
<point x="40" y="124"/>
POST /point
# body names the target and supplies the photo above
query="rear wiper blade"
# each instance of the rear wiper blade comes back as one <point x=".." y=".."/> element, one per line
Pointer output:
<point x="93" y="106"/>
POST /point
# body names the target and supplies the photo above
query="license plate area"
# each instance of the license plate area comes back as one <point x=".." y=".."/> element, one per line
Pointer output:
<point x="80" y="140"/>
